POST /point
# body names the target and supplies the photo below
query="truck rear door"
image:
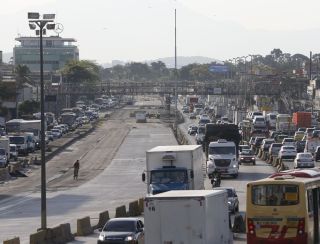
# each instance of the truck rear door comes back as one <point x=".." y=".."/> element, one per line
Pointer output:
<point x="182" y="222"/>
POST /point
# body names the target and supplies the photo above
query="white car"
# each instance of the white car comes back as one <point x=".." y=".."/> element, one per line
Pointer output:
<point x="304" y="160"/>
<point x="289" y="141"/>
<point x="287" y="152"/>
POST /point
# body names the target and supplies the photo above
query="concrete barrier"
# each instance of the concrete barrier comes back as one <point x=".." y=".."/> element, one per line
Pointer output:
<point x="84" y="226"/>
<point x="103" y="219"/>
<point x="121" y="211"/>
<point x="4" y="174"/>
<point x="134" y="209"/>
<point x="141" y="205"/>
<point x="55" y="235"/>
<point x="259" y="153"/>
<point x="15" y="240"/>
<point x="39" y="237"/>
<point x="66" y="232"/>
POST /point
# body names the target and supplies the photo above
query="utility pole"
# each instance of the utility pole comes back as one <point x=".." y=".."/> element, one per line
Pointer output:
<point x="175" y="72"/>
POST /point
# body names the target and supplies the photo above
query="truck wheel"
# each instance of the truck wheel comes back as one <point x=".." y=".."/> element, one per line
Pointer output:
<point x="235" y="176"/>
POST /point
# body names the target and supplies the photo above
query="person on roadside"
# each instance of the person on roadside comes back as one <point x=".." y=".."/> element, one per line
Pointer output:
<point x="76" y="167"/>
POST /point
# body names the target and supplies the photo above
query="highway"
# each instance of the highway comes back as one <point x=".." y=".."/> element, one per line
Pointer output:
<point x="112" y="159"/>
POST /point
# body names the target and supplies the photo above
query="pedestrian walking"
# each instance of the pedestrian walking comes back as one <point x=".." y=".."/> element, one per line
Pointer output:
<point x="76" y="167"/>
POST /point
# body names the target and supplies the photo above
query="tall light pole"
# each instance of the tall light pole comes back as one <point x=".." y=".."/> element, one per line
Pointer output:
<point x="175" y="72"/>
<point x="34" y="22"/>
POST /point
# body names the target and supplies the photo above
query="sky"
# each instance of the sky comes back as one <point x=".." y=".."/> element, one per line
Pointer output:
<point x="139" y="30"/>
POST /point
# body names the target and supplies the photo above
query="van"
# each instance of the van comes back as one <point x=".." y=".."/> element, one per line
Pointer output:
<point x="271" y="119"/>
<point x="21" y="142"/>
<point x="259" y="121"/>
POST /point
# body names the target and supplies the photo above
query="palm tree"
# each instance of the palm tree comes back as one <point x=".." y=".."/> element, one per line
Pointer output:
<point x="22" y="73"/>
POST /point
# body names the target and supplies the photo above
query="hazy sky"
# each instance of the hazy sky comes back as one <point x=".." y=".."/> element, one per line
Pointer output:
<point x="144" y="29"/>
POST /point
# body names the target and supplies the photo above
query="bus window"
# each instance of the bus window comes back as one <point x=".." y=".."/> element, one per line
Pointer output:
<point x="275" y="195"/>
<point x="310" y="201"/>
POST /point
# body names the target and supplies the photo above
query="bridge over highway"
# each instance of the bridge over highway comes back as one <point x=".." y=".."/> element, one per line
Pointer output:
<point x="225" y="87"/>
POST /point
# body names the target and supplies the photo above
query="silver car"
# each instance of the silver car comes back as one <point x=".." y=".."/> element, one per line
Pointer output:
<point x="122" y="230"/>
<point x="233" y="201"/>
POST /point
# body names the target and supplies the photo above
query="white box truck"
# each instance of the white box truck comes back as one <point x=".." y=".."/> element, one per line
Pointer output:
<point x="188" y="217"/>
<point x="141" y="116"/>
<point x="177" y="167"/>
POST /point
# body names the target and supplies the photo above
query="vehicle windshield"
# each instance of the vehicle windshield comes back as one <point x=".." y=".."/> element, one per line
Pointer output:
<point x="275" y="195"/>
<point x="2" y="151"/>
<point x="16" y="140"/>
<point x="221" y="150"/>
<point x="120" y="226"/>
<point x="288" y="140"/>
<point x="168" y="176"/>
<point x="246" y="152"/>
<point x="273" y="116"/>
<point x="288" y="148"/>
<point x="259" y="119"/>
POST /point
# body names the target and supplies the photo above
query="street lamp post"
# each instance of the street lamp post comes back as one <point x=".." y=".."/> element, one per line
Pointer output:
<point x="45" y="23"/>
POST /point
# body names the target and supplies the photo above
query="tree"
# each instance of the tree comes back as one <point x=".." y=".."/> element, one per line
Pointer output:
<point x="80" y="72"/>
<point x="22" y="73"/>
<point x="28" y="107"/>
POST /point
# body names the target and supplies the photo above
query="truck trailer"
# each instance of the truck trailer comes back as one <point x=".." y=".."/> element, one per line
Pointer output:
<point x="188" y="217"/>
<point x="174" y="168"/>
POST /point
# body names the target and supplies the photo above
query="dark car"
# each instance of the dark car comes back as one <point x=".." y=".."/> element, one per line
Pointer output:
<point x="233" y="201"/>
<point x="247" y="156"/>
<point x="192" y="130"/>
<point x="300" y="145"/>
<point x="122" y="230"/>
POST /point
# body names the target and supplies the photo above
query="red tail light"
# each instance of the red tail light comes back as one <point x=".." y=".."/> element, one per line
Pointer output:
<point x="251" y="228"/>
<point x="301" y="225"/>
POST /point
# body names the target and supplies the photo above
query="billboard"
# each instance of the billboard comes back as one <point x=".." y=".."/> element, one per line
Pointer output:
<point x="218" y="69"/>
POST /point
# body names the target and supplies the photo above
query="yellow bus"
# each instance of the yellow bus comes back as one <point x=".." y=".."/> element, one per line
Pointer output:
<point x="284" y="208"/>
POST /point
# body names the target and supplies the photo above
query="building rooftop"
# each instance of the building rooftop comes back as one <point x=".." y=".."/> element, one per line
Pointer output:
<point x="47" y="38"/>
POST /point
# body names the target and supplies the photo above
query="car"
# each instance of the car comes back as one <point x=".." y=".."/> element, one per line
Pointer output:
<point x="257" y="141"/>
<point x="274" y="149"/>
<point x="298" y="135"/>
<point x="50" y="136"/>
<point x="287" y="152"/>
<point x="233" y="201"/>
<point x="289" y="141"/>
<point x="56" y="133"/>
<point x="247" y="156"/>
<point x="300" y="145"/>
<point x="316" y="133"/>
<point x="122" y="230"/>
<point x="192" y="130"/>
<point x="266" y="143"/>
<point x="304" y="160"/>
<point x="303" y="129"/>
<point x="309" y="132"/>
<point x="192" y="116"/>
<point x="200" y="134"/>
<point x="279" y="138"/>
<point x="251" y="141"/>
<point x="243" y="147"/>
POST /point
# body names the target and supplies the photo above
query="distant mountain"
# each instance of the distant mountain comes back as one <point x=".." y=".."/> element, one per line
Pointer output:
<point x="183" y="61"/>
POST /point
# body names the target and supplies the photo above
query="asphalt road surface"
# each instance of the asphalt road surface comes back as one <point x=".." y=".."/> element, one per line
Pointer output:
<point x="112" y="159"/>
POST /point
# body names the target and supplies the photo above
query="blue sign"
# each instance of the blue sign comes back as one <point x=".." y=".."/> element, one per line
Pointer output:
<point x="218" y="69"/>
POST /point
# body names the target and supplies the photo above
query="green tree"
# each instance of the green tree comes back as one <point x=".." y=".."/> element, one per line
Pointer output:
<point x="22" y="74"/>
<point x="28" y="107"/>
<point x="82" y="71"/>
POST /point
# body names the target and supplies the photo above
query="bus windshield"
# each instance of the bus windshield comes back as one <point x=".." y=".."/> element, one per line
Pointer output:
<point x="221" y="150"/>
<point x="275" y="195"/>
